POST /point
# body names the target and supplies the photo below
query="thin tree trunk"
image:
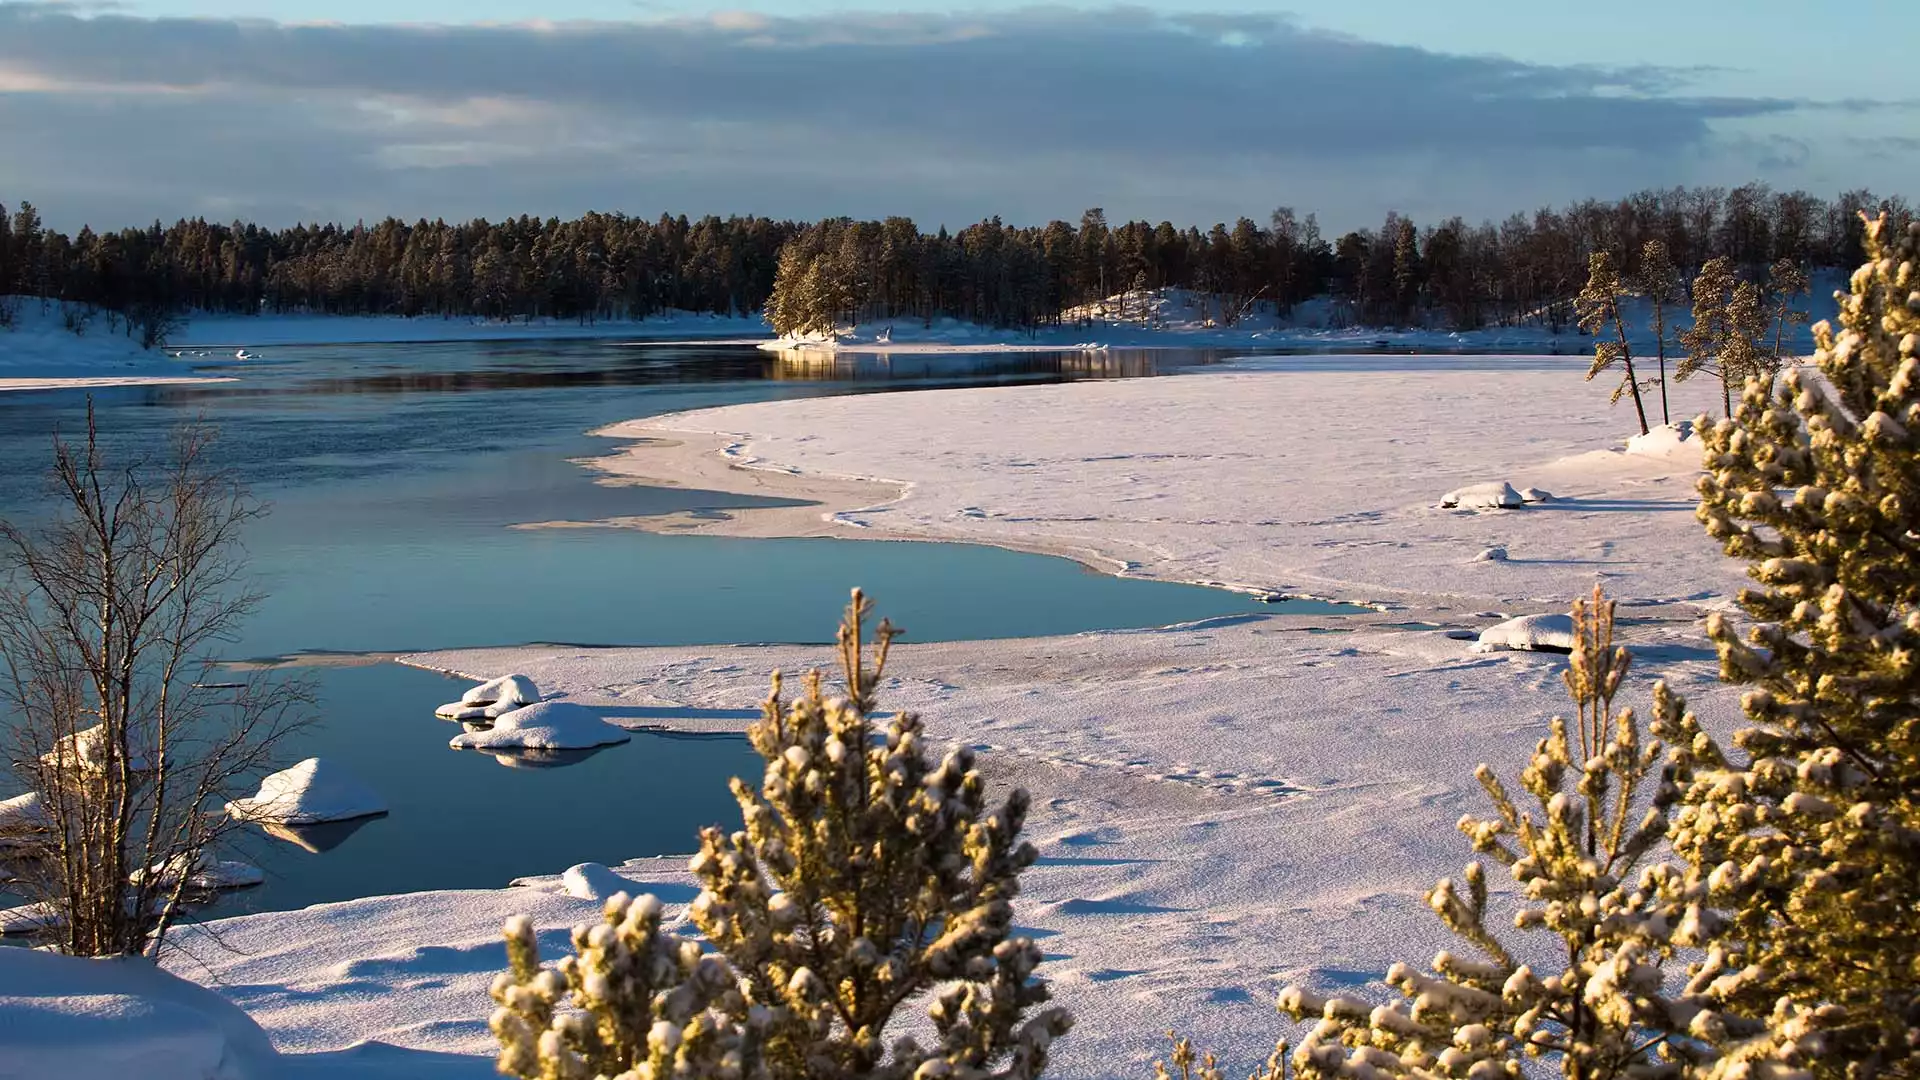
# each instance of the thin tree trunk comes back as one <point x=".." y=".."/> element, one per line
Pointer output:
<point x="1626" y="357"/>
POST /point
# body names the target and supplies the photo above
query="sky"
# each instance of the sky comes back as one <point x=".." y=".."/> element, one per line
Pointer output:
<point x="1193" y="111"/>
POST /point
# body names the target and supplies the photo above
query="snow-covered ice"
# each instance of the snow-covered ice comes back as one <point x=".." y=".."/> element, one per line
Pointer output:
<point x="492" y="698"/>
<point x="1551" y="631"/>
<point x="315" y="790"/>
<point x="546" y="725"/>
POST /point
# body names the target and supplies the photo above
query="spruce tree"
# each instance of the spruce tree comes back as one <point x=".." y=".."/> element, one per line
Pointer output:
<point x="1811" y="836"/>
<point x="868" y="875"/>
<point x="1598" y="305"/>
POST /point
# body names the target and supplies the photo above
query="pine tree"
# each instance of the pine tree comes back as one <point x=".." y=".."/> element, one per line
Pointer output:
<point x="1659" y="282"/>
<point x="1709" y="338"/>
<point x="1597" y="306"/>
<point x="1786" y="280"/>
<point x="1813" y="839"/>
<point x="1580" y="859"/>
<point x="867" y="876"/>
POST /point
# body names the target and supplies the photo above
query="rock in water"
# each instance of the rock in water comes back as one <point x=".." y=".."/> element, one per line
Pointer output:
<point x="548" y="725"/>
<point x="491" y="699"/>
<point x="313" y="791"/>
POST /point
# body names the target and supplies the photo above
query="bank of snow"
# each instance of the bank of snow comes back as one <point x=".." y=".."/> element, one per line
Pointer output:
<point x="41" y="352"/>
<point x="255" y="331"/>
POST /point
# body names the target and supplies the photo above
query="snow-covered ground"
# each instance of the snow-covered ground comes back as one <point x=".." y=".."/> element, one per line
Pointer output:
<point x="39" y="351"/>
<point x="1220" y="807"/>
<point x="254" y="331"/>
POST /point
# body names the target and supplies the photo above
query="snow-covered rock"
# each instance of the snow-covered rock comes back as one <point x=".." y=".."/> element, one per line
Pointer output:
<point x="23" y="821"/>
<point x="1667" y="440"/>
<point x="314" y="790"/>
<point x="208" y="873"/>
<point x="1535" y="495"/>
<point x="1492" y="554"/>
<point x="593" y="881"/>
<point x="491" y="699"/>
<point x="29" y="919"/>
<point x="1551" y="633"/>
<point x="86" y="749"/>
<point x="114" y="1019"/>
<point x="1494" y="495"/>
<point x="547" y="725"/>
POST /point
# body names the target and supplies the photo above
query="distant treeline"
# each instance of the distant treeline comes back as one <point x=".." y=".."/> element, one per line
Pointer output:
<point x="1527" y="268"/>
<point x="813" y="277"/>
<point x="599" y="266"/>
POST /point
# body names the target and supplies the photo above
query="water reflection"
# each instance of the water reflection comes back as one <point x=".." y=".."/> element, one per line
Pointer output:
<point x="528" y="758"/>
<point x="320" y="837"/>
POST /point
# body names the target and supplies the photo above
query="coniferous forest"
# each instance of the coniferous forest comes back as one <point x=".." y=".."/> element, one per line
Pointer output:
<point x="1525" y="269"/>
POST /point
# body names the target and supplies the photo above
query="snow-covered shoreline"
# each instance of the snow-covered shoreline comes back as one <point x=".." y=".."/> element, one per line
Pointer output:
<point x="260" y="331"/>
<point x="1179" y="319"/>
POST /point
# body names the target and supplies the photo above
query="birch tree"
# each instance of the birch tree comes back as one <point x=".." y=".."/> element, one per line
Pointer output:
<point x="121" y="725"/>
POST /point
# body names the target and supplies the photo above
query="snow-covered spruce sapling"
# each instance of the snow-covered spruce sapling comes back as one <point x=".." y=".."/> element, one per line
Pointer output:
<point x="868" y="876"/>
<point x="1611" y="918"/>
<point x="1598" y="306"/>
<point x="1812" y="840"/>
<point x="1188" y="1063"/>
<point x="632" y="1002"/>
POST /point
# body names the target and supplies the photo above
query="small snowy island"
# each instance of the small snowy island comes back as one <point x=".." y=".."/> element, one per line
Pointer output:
<point x="310" y="793"/>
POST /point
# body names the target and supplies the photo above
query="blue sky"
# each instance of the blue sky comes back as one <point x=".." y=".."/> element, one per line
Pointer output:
<point x="1193" y="110"/>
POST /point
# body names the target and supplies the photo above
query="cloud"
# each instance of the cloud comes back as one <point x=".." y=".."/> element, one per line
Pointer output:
<point x="1029" y="114"/>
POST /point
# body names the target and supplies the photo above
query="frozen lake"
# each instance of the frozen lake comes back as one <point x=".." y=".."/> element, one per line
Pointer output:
<point x="393" y="475"/>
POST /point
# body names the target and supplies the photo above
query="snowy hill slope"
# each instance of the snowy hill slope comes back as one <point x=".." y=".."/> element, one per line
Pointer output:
<point x="40" y="349"/>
